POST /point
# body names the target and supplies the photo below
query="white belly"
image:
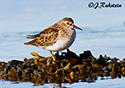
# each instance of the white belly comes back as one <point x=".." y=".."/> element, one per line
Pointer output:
<point x="63" y="43"/>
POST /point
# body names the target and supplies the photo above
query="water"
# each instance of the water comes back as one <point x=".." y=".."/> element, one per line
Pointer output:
<point x="104" y="32"/>
<point x="113" y="83"/>
<point x="109" y="41"/>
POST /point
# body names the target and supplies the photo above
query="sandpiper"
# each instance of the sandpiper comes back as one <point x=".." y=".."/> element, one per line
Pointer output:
<point x="56" y="37"/>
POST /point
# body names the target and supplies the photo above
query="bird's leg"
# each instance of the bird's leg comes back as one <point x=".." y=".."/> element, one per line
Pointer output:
<point x="54" y="59"/>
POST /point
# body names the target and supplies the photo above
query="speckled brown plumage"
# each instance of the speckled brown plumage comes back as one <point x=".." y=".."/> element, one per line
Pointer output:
<point x="45" y="38"/>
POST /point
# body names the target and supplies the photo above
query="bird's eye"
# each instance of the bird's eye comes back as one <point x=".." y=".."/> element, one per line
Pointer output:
<point x="68" y="23"/>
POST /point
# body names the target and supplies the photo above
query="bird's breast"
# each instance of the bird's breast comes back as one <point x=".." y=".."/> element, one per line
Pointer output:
<point x="64" y="40"/>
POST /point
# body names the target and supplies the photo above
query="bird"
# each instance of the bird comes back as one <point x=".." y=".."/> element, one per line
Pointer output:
<point x="55" y="38"/>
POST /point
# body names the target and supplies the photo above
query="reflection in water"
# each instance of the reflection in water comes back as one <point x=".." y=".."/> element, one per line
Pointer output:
<point x="68" y="68"/>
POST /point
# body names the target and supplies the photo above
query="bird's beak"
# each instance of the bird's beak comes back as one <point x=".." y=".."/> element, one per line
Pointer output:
<point x="77" y="27"/>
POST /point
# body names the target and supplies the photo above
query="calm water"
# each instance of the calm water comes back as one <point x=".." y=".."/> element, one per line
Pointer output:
<point x="109" y="41"/>
<point x="104" y="33"/>
<point x="112" y="83"/>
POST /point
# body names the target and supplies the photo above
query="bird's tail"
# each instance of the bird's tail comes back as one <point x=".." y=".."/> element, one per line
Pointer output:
<point x="32" y="36"/>
<point x="31" y="42"/>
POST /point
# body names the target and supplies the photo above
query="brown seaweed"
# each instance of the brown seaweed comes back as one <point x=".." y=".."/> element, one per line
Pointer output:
<point x="68" y="68"/>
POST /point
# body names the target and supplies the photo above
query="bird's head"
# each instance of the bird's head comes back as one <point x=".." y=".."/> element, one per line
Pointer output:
<point x="68" y="22"/>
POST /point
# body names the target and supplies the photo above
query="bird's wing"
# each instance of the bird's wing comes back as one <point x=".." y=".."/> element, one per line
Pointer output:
<point x="46" y="37"/>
